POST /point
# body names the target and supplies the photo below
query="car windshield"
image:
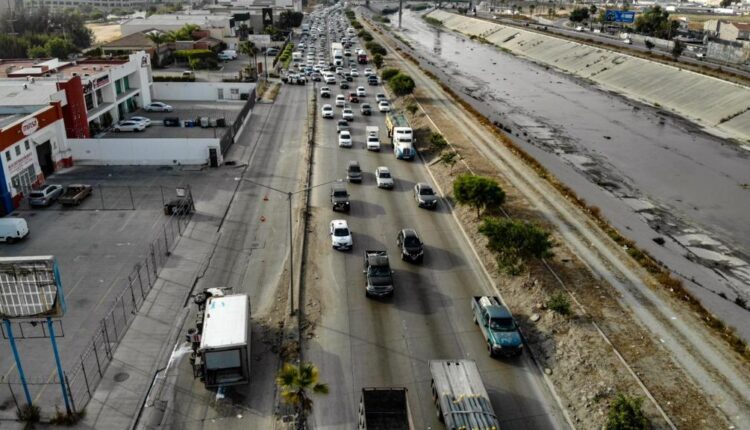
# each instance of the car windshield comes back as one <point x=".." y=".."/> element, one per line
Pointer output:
<point x="354" y="168"/>
<point x="411" y="241"/>
<point x="385" y="174"/>
<point x="341" y="232"/>
<point x="35" y="194"/>
<point x="426" y="191"/>
<point x="502" y="324"/>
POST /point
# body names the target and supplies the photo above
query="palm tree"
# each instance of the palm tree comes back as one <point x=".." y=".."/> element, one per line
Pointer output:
<point x="158" y="39"/>
<point x="248" y="48"/>
<point x="296" y="382"/>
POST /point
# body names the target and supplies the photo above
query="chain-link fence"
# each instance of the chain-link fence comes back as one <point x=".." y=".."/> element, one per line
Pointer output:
<point x="116" y="197"/>
<point x="83" y="375"/>
<point x="228" y="139"/>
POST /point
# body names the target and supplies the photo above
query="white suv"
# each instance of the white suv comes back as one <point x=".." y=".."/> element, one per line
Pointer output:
<point x="341" y="236"/>
<point x="384" y="178"/>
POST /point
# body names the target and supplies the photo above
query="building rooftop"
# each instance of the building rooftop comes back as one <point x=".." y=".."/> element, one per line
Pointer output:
<point x="135" y="40"/>
<point x="55" y="68"/>
<point x="203" y="20"/>
<point x="20" y="92"/>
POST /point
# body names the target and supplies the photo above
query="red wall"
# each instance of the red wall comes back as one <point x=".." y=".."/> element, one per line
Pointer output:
<point x="74" y="113"/>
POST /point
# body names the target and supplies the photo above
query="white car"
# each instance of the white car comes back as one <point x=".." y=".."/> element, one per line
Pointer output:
<point x="354" y="73"/>
<point x="158" y="107"/>
<point x="129" y="125"/>
<point x="329" y="79"/>
<point x="143" y="119"/>
<point x="347" y="114"/>
<point x="383" y="177"/>
<point x="368" y="72"/>
<point x="224" y="57"/>
<point x="361" y="92"/>
<point x="340" y="100"/>
<point x="327" y="111"/>
<point x="345" y="139"/>
<point x="384" y="106"/>
<point x="341" y="236"/>
<point x="379" y="97"/>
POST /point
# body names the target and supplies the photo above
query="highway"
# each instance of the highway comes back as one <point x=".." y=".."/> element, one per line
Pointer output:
<point x="362" y="342"/>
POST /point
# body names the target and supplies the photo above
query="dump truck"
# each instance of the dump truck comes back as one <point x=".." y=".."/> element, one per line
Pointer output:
<point x="378" y="274"/>
<point x="222" y="357"/>
<point x="460" y="397"/>
<point x="74" y="194"/>
<point x="497" y="325"/>
<point x="402" y="136"/>
<point x="384" y="408"/>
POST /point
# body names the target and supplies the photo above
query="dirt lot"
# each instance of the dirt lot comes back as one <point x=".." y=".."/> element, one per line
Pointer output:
<point x="585" y="369"/>
<point x="104" y="33"/>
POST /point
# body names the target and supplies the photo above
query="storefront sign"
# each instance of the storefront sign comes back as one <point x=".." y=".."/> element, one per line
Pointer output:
<point x="19" y="164"/>
<point x="29" y="126"/>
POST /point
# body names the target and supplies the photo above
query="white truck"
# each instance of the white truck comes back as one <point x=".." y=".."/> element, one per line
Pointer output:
<point x="223" y="356"/>
<point x="337" y="54"/>
<point x="460" y="397"/>
<point x="402" y="136"/>
<point x="296" y="57"/>
<point x="373" y="137"/>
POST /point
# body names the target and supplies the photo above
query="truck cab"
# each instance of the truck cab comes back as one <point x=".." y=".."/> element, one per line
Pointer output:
<point x="497" y="325"/>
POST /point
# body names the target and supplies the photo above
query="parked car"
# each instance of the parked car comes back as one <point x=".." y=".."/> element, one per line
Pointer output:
<point x="345" y="139"/>
<point x="365" y="109"/>
<point x="425" y="196"/>
<point x="74" y="194"/>
<point x="411" y="246"/>
<point x="143" y="119"/>
<point x="129" y="125"/>
<point x="383" y="178"/>
<point x="384" y="106"/>
<point x="347" y="114"/>
<point x="327" y="111"/>
<point x="224" y="57"/>
<point x="341" y="236"/>
<point x="158" y="107"/>
<point x="13" y="229"/>
<point x="353" y="172"/>
<point x="46" y="195"/>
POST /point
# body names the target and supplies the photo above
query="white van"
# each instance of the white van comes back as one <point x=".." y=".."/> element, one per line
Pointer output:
<point x="13" y="229"/>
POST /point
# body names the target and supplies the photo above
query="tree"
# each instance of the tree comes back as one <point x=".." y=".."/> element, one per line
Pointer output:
<point x="388" y="73"/>
<point x="437" y="142"/>
<point x="726" y="3"/>
<point x="625" y="414"/>
<point x="185" y="32"/>
<point x="401" y="84"/>
<point x="58" y="47"/>
<point x="649" y="44"/>
<point x="515" y="241"/>
<point x="449" y="159"/>
<point x="478" y="192"/>
<point x="37" y="52"/>
<point x="296" y="383"/>
<point x="531" y="9"/>
<point x="655" y="22"/>
<point x="579" y="14"/>
<point x="592" y="10"/>
<point x="159" y="39"/>
<point x="248" y="48"/>
<point x="677" y="49"/>
<point x="377" y="60"/>
<point x="375" y="48"/>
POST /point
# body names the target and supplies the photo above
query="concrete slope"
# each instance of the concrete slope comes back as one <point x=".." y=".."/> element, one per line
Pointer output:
<point x="718" y="106"/>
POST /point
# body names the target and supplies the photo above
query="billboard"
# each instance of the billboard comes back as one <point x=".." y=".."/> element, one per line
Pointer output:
<point x="267" y="16"/>
<point x="624" y="16"/>
<point x="30" y="287"/>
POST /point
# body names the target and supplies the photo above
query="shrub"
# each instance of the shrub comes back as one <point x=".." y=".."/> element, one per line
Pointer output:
<point x="377" y="60"/>
<point x="375" y="48"/>
<point x="387" y="74"/>
<point x="389" y="10"/>
<point x="412" y="108"/>
<point x="449" y="159"/>
<point x="401" y="84"/>
<point x="29" y="414"/>
<point x="476" y="191"/>
<point x="515" y="241"/>
<point x="625" y="414"/>
<point x="433" y="21"/>
<point x="559" y="303"/>
<point x="437" y="142"/>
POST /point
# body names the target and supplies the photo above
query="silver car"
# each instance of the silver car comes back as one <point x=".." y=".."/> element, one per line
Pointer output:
<point x="46" y="195"/>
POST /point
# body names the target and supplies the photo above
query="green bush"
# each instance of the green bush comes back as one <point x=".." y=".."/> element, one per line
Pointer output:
<point x="194" y="53"/>
<point x="625" y="414"/>
<point x="515" y="241"/>
<point x="375" y="48"/>
<point x="401" y="84"/>
<point x="479" y="192"/>
<point x="389" y="10"/>
<point x="412" y="108"/>
<point x="377" y="60"/>
<point x="365" y="35"/>
<point x="437" y="141"/>
<point x="559" y="303"/>
<point x="433" y="21"/>
<point x="29" y="414"/>
<point x="388" y="73"/>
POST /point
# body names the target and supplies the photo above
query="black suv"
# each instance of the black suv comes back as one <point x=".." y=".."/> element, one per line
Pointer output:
<point x="340" y="197"/>
<point x="411" y="245"/>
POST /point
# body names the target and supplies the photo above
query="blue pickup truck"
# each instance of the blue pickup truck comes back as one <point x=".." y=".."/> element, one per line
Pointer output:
<point x="497" y="325"/>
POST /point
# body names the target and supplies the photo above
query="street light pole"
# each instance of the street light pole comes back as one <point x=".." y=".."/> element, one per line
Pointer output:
<point x="289" y="195"/>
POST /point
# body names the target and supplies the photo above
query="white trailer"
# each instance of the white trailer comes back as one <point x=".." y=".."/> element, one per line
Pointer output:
<point x="460" y="397"/>
<point x="337" y="54"/>
<point x="224" y="354"/>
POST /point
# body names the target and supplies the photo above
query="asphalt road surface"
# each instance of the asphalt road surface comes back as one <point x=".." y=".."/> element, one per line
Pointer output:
<point x="361" y="342"/>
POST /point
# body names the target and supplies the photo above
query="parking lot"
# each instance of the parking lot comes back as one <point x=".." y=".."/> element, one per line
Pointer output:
<point x="185" y="110"/>
<point x="96" y="245"/>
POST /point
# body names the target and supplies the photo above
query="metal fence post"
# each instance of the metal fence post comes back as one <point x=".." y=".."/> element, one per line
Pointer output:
<point x="85" y="378"/>
<point x="101" y="195"/>
<point x="140" y="282"/>
<point x="124" y="315"/>
<point x="132" y="202"/>
<point x="162" y="195"/>
<point x="148" y="274"/>
<point x="107" y="348"/>
<point x="70" y="394"/>
<point x="132" y="294"/>
<point x="12" y="394"/>
<point x="96" y="357"/>
<point x="153" y="261"/>
<point x="166" y="241"/>
<point x="114" y="326"/>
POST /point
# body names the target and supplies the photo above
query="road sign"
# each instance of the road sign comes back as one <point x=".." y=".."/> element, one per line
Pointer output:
<point x="267" y="16"/>
<point x="30" y="287"/>
<point x="624" y="16"/>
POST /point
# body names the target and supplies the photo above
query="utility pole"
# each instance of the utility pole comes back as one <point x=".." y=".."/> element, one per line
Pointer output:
<point x="400" y="9"/>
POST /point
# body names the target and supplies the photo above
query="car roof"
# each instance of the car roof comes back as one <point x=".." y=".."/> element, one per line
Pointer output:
<point x="339" y="223"/>
<point x="338" y="186"/>
<point x="383" y="169"/>
<point x="423" y="185"/>
<point x="354" y="163"/>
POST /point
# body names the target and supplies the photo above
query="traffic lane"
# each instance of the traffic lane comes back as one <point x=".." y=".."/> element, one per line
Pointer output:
<point x="412" y="325"/>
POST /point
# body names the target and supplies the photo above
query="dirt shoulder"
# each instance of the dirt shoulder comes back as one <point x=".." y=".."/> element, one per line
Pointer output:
<point x="600" y="350"/>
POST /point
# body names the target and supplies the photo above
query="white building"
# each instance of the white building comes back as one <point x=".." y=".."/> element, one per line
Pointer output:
<point x="218" y="25"/>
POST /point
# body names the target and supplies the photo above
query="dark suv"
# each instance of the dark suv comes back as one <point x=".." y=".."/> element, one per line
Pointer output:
<point x="411" y="245"/>
<point x="340" y="197"/>
<point x="353" y="172"/>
